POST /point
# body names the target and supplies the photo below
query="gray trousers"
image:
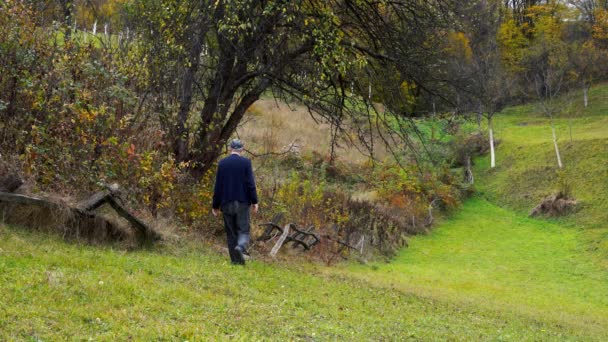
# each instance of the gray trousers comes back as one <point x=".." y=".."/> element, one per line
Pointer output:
<point x="236" y="224"/>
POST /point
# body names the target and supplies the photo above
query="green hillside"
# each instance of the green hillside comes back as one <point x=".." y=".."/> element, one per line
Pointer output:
<point x="491" y="255"/>
<point x="52" y="290"/>
<point x="527" y="169"/>
<point x="484" y="273"/>
<point x="490" y="258"/>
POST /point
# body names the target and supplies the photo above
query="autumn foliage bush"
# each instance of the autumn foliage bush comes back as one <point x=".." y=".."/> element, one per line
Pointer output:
<point x="403" y="205"/>
<point x="72" y="113"/>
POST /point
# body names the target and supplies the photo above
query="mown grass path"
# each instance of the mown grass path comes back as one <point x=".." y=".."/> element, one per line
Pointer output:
<point x="487" y="257"/>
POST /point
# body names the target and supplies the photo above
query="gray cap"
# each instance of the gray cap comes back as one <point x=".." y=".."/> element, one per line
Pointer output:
<point x="236" y="144"/>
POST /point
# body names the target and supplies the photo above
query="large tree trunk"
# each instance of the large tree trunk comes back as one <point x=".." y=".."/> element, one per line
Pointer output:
<point x="220" y="115"/>
<point x="492" y="152"/>
<point x="181" y="133"/>
<point x="559" y="158"/>
<point x="217" y="135"/>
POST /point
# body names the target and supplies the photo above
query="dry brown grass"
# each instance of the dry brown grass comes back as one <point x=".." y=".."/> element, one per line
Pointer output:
<point x="272" y="126"/>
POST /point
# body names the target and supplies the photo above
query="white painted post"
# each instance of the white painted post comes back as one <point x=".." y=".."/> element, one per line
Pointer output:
<point x="559" y="158"/>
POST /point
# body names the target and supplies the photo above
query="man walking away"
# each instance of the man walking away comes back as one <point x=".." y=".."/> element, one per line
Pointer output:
<point x="233" y="194"/>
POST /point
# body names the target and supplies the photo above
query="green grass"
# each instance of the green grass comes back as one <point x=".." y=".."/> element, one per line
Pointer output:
<point x="486" y="273"/>
<point x="52" y="290"/>
<point x="487" y="257"/>
<point x="527" y="169"/>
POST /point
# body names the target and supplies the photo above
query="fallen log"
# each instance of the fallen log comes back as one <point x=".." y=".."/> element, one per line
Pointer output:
<point x="28" y="200"/>
<point x="555" y="205"/>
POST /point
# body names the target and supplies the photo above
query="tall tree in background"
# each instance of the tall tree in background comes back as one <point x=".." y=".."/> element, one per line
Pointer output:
<point x="519" y="10"/>
<point x="490" y="87"/>
<point x="588" y="63"/>
<point x="67" y="12"/>
<point x="216" y="58"/>
<point x="589" y="8"/>
<point x="547" y="64"/>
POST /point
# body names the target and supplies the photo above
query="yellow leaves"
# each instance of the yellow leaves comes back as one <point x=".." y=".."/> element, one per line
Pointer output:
<point x="408" y="92"/>
<point x="599" y="30"/>
<point x="458" y="45"/>
<point x="512" y="42"/>
<point x="111" y="141"/>
<point x="86" y="115"/>
<point x="547" y="22"/>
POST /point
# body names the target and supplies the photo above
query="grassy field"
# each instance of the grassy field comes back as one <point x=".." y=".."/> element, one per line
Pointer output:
<point x="553" y="270"/>
<point x="491" y="258"/>
<point x="527" y="169"/>
<point x="52" y="290"/>
<point x="486" y="273"/>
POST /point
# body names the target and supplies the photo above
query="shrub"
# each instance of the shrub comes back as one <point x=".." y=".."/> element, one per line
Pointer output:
<point x="72" y="114"/>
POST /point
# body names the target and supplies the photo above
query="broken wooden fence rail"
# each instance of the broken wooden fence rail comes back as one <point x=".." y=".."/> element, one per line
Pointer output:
<point x="305" y="238"/>
<point x="111" y="197"/>
<point x="86" y="209"/>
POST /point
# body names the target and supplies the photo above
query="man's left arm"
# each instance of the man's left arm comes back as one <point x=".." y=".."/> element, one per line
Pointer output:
<point x="251" y="188"/>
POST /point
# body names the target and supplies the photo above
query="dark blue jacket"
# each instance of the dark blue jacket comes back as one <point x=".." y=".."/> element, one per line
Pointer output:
<point x="234" y="182"/>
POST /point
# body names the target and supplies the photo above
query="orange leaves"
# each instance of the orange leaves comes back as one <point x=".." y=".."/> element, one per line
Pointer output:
<point x="131" y="152"/>
<point x="600" y="28"/>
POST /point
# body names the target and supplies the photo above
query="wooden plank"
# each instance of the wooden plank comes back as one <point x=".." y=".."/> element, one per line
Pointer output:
<point x="144" y="232"/>
<point x="27" y="200"/>
<point x="35" y="201"/>
<point x="280" y="242"/>
<point x="268" y="231"/>
<point x="305" y="233"/>
<point x="95" y="201"/>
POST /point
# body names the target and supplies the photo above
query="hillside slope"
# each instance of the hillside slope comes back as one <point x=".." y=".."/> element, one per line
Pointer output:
<point x="494" y="259"/>
<point x="527" y="169"/>
<point x="52" y="290"/>
<point x="490" y="255"/>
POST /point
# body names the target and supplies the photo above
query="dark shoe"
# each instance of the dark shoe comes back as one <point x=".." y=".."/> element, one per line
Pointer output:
<point x="240" y="255"/>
